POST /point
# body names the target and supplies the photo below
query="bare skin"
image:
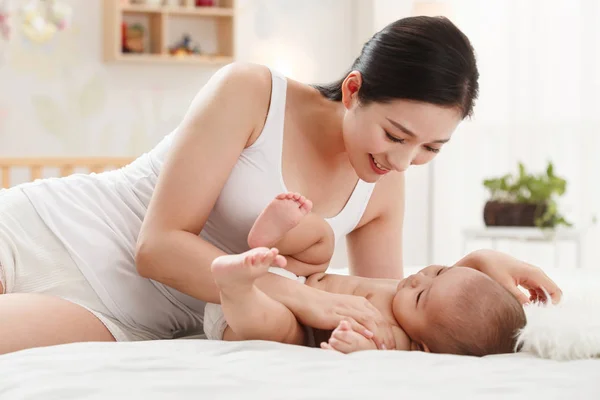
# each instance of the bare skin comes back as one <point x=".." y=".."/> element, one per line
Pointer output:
<point x="302" y="237"/>
<point x="253" y="315"/>
<point x="26" y="322"/>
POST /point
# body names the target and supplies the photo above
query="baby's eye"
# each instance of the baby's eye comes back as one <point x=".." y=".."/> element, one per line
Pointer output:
<point x="419" y="296"/>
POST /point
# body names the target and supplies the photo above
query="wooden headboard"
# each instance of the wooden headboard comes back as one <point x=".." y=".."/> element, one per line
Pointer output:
<point x="65" y="165"/>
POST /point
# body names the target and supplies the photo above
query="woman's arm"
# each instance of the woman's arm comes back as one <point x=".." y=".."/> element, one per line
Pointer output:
<point x="224" y="118"/>
<point x="375" y="247"/>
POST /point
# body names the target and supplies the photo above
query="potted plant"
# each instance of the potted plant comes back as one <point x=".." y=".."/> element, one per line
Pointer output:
<point x="525" y="199"/>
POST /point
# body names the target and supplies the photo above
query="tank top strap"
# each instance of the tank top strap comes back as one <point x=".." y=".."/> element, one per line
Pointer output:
<point x="351" y="214"/>
<point x="272" y="133"/>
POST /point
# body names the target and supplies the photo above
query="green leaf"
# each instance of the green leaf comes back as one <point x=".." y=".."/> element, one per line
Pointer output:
<point x="522" y="172"/>
<point x="550" y="169"/>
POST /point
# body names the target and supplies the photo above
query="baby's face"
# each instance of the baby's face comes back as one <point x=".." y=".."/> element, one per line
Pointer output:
<point x="422" y="296"/>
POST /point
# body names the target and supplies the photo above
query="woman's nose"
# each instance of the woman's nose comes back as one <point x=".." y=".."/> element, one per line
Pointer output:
<point x="402" y="160"/>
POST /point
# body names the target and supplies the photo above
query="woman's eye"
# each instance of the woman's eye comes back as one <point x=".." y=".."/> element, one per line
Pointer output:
<point x="394" y="138"/>
<point x="431" y="149"/>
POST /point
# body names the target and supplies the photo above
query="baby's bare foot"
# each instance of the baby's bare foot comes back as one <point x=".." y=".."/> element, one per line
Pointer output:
<point x="239" y="271"/>
<point x="279" y="217"/>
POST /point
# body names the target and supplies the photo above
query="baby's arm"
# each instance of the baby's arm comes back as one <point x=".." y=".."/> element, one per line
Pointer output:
<point x="345" y="340"/>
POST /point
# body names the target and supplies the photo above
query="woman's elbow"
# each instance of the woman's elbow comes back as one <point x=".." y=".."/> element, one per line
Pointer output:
<point x="144" y="254"/>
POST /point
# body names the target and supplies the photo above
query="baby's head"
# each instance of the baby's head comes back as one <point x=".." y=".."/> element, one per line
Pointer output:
<point x="457" y="310"/>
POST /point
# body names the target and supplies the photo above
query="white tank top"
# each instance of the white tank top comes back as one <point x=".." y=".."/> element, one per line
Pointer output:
<point x="98" y="219"/>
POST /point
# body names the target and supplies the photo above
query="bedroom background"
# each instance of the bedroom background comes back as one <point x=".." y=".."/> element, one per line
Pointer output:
<point x="540" y="72"/>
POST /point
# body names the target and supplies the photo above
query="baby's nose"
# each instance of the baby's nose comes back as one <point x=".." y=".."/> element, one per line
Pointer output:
<point x="414" y="281"/>
<point x="418" y="279"/>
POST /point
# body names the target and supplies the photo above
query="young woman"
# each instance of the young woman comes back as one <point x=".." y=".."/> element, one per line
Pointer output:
<point x="126" y="255"/>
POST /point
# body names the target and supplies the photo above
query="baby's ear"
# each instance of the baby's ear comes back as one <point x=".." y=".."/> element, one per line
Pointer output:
<point x="414" y="346"/>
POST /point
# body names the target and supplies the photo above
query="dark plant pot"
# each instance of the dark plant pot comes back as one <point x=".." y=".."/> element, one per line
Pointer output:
<point x="496" y="213"/>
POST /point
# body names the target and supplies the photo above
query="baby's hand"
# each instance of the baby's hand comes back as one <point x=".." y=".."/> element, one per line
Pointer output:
<point x="345" y="340"/>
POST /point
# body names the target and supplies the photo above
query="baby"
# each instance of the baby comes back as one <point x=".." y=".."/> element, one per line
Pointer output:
<point x="454" y="310"/>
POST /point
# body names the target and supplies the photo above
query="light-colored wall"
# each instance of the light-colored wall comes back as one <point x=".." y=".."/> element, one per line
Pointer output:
<point x="540" y="74"/>
<point x="60" y="98"/>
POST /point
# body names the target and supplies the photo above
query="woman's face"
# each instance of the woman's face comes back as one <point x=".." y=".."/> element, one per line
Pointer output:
<point x="385" y="137"/>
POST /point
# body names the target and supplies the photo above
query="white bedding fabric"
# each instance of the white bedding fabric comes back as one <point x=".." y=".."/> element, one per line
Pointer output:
<point x="200" y="369"/>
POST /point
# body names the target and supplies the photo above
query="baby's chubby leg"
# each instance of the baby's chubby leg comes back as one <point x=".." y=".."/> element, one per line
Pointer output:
<point x="249" y="312"/>
<point x="303" y="237"/>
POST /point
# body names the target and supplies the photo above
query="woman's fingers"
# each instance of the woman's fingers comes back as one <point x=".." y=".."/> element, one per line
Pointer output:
<point x="521" y="297"/>
<point x="540" y="282"/>
<point x="356" y="327"/>
<point x="381" y="332"/>
<point x="344" y="326"/>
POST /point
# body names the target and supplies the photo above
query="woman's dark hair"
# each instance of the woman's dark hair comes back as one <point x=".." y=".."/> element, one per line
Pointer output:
<point x="421" y="58"/>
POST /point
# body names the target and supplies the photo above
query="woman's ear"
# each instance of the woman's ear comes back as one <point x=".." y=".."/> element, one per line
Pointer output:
<point x="350" y="88"/>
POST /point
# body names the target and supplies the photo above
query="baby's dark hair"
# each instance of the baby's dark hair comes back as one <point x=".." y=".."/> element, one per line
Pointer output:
<point x="420" y="58"/>
<point x="486" y="320"/>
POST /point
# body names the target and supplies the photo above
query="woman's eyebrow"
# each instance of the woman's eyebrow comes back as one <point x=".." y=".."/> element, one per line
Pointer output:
<point x="410" y="133"/>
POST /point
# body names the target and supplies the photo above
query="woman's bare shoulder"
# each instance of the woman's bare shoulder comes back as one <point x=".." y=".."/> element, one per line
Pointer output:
<point x="238" y="89"/>
<point x="245" y="75"/>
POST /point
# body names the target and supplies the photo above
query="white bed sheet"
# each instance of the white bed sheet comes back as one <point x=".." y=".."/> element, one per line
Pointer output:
<point x="200" y="369"/>
<point x="193" y="369"/>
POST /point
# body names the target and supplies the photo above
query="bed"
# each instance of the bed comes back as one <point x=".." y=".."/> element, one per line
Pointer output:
<point x="193" y="368"/>
<point x="16" y="170"/>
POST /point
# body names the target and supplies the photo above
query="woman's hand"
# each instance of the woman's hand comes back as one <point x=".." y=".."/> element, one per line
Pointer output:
<point x="362" y="316"/>
<point x="512" y="273"/>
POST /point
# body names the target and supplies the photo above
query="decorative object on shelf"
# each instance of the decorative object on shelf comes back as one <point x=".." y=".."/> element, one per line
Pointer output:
<point x="184" y="47"/>
<point x="147" y="2"/>
<point x="163" y="40"/>
<point x="206" y="3"/>
<point x="525" y="200"/>
<point x="42" y="19"/>
<point x="173" y="3"/>
<point x="133" y="38"/>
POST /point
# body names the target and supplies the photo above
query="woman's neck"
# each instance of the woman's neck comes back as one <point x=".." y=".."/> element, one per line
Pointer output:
<point x="323" y="120"/>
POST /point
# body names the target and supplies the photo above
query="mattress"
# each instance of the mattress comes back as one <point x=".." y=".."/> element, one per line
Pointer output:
<point x="202" y="369"/>
<point x="194" y="369"/>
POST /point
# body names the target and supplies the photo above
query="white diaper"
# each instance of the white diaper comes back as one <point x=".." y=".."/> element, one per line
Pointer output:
<point x="214" y="319"/>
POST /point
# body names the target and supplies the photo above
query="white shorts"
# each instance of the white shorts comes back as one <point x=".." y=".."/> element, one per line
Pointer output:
<point x="33" y="260"/>
<point x="214" y="319"/>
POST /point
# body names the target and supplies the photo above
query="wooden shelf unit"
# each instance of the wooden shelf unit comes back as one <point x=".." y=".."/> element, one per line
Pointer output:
<point x="159" y="18"/>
